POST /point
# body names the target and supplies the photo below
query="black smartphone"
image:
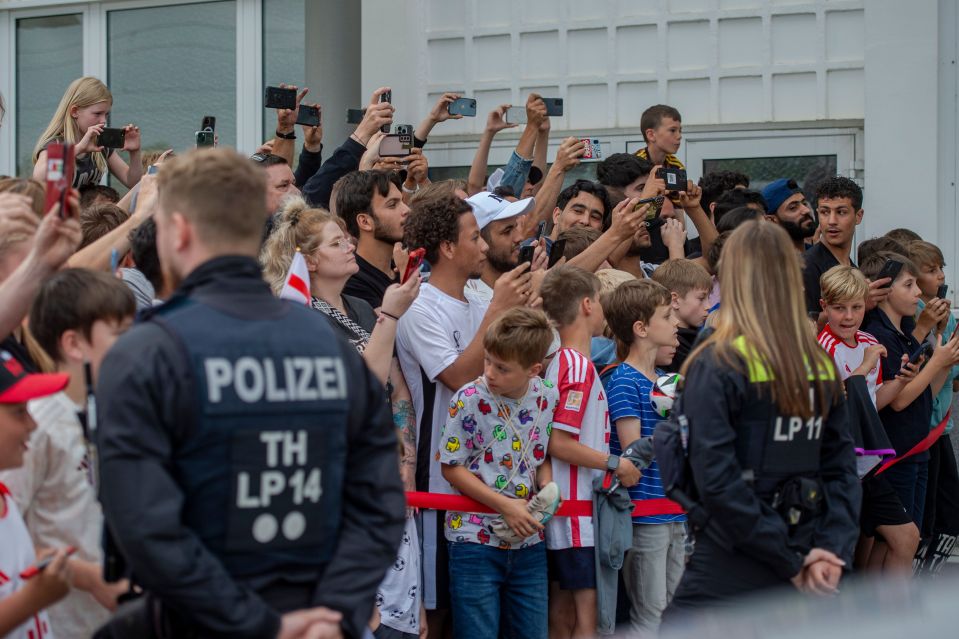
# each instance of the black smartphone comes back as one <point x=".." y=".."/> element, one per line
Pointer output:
<point x="308" y="115"/>
<point x="656" y="222"/>
<point x="556" y="252"/>
<point x="554" y="106"/>
<point x="923" y="351"/>
<point x="675" y="178"/>
<point x="404" y="129"/>
<point x="540" y="229"/>
<point x="112" y="138"/>
<point x="277" y="98"/>
<point x="891" y="270"/>
<point x="386" y="97"/>
<point x="208" y="123"/>
<point x="942" y="291"/>
<point x="462" y="106"/>
<point x="205" y="138"/>
<point x="355" y="116"/>
<point x="526" y="253"/>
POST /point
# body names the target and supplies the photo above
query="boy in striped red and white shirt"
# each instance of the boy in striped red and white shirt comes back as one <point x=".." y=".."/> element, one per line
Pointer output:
<point x="578" y="446"/>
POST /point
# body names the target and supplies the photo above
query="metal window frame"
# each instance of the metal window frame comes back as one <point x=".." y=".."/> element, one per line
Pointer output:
<point x="248" y="55"/>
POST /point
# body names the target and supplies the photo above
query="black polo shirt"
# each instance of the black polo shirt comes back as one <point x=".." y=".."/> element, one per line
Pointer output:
<point x="817" y="260"/>
<point x="907" y="427"/>
<point x="369" y="283"/>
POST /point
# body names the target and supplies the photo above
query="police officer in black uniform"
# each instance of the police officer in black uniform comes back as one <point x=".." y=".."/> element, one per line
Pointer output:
<point x="248" y="466"/>
<point x="770" y="450"/>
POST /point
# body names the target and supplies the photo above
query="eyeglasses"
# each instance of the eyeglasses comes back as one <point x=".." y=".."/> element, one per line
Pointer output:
<point x="344" y="244"/>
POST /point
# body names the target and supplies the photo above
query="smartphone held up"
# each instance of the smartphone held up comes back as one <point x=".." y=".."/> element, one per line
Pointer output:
<point x="61" y="166"/>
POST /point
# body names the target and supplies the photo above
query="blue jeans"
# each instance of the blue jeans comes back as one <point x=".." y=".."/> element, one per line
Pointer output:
<point x="498" y="593"/>
<point x="909" y="480"/>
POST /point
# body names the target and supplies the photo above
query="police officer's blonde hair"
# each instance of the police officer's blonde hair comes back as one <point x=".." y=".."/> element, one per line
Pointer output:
<point x="297" y="227"/>
<point x="763" y="304"/>
<point x="220" y="192"/>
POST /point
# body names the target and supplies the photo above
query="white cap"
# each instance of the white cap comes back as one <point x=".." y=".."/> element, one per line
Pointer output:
<point x="489" y="207"/>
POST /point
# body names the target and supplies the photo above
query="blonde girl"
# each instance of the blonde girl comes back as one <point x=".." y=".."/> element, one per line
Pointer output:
<point x="80" y="118"/>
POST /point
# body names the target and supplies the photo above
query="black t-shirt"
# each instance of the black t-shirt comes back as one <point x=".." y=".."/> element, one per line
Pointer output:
<point x="358" y="311"/>
<point x="369" y="283"/>
<point x="906" y="427"/>
<point x="687" y="338"/>
<point x="817" y="260"/>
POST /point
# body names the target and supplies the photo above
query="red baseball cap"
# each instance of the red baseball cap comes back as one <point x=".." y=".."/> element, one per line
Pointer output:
<point x="18" y="386"/>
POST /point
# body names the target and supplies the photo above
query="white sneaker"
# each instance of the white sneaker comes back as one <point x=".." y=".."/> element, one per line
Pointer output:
<point x="542" y="506"/>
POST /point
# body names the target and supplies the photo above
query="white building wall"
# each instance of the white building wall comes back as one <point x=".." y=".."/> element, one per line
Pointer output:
<point x="718" y="61"/>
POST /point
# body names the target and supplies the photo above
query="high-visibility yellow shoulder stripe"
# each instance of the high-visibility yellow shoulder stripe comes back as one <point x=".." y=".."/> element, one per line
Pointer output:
<point x="759" y="372"/>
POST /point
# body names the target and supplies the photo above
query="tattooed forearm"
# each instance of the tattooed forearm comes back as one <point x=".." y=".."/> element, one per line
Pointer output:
<point x="405" y="420"/>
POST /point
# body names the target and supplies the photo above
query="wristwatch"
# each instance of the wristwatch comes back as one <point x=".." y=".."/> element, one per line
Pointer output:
<point x="286" y="136"/>
<point x="410" y="191"/>
<point x="612" y="463"/>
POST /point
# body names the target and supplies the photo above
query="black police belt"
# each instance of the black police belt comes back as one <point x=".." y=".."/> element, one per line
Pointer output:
<point x="797" y="499"/>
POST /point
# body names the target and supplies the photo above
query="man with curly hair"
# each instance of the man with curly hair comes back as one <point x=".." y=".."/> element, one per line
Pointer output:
<point x="440" y="346"/>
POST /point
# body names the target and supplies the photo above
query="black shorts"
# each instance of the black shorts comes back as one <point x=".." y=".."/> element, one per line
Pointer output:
<point x="880" y="506"/>
<point x="573" y="568"/>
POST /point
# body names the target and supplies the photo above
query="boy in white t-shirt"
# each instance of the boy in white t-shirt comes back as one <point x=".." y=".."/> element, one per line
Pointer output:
<point x="889" y="538"/>
<point x="578" y="446"/>
<point x="439" y="342"/>
<point x="76" y="317"/>
<point x="23" y="598"/>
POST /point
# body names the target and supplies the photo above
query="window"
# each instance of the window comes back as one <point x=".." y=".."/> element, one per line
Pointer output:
<point x="49" y="57"/>
<point x="284" y="57"/>
<point x="170" y="66"/>
<point x="808" y="170"/>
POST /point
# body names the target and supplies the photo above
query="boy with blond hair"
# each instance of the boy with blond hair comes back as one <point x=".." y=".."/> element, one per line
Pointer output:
<point x="689" y="285"/>
<point x="493" y="449"/>
<point x="578" y="446"/>
<point x="641" y="316"/>
<point x="888" y="538"/>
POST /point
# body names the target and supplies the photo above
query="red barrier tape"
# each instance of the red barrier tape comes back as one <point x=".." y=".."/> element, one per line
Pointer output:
<point x="436" y="501"/>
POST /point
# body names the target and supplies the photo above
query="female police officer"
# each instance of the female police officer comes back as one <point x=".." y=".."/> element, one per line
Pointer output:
<point x="772" y="459"/>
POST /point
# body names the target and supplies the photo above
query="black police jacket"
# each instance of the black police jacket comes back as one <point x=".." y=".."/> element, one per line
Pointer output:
<point x="742" y="450"/>
<point x="217" y="479"/>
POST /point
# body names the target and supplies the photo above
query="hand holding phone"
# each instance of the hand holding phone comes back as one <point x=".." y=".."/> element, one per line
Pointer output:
<point x="386" y="96"/>
<point x="526" y="253"/>
<point x="674" y="178"/>
<point x="942" y="291"/>
<point x="308" y="115"/>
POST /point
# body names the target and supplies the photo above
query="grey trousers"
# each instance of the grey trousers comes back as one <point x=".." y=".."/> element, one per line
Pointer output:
<point x="652" y="570"/>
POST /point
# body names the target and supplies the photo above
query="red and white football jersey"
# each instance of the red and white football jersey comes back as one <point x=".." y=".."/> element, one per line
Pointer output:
<point x="584" y="413"/>
<point x="849" y="358"/>
<point x="16" y="555"/>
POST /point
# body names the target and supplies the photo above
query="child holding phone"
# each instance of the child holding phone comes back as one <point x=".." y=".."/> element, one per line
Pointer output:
<point x="80" y="117"/>
<point x="23" y="595"/>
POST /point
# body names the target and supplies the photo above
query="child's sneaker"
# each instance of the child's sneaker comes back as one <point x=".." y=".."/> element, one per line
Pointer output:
<point x="542" y="506"/>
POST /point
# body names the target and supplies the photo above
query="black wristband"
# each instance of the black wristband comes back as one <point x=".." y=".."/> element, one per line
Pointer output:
<point x="287" y="136"/>
<point x="389" y="315"/>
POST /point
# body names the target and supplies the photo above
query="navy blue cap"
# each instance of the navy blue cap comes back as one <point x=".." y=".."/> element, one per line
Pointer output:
<point x="779" y="191"/>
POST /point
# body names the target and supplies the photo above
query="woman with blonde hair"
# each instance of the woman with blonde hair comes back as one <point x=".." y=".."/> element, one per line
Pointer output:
<point x="772" y="458"/>
<point x="330" y="258"/>
<point x="79" y="119"/>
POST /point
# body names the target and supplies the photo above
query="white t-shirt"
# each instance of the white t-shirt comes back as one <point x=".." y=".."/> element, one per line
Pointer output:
<point x="54" y="490"/>
<point x="431" y="335"/>
<point x="16" y="555"/>
<point x="849" y="358"/>
<point x="584" y="413"/>
<point x="480" y="290"/>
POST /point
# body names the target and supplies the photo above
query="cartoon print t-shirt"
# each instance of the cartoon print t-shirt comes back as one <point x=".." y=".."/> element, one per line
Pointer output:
<point x="503" y="450"/>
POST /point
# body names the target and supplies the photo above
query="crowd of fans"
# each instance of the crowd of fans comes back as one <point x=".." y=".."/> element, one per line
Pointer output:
<point x="520" y="363"/>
